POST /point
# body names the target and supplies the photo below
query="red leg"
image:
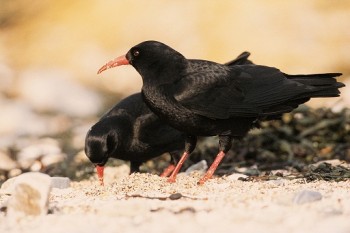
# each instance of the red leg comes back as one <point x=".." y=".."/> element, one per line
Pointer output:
<point x="168" y="170"/>
<point x="172" y="177"/>
<point x="212" y="168"/>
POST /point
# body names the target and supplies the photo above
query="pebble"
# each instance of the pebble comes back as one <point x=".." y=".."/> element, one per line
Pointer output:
<point x="30" y="195"/>
<point x="201" y="166"/>
<point x="277" y="182"/>
<point x="250" y="171"/>
<point x="236" y="176"/>
<point x="60" y="182"/>
<point x="175" y="196"/>
<point x="306" y="196"/>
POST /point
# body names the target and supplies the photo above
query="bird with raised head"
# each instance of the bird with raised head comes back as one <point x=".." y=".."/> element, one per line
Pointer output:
<point x="205" y="98"/>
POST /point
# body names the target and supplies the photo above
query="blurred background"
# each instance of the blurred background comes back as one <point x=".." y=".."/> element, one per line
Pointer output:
<point x="50" y="94"/>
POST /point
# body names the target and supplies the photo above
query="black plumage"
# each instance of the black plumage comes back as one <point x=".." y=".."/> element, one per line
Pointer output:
<point x="204" y="98"/>
<point x="130" y="131"/>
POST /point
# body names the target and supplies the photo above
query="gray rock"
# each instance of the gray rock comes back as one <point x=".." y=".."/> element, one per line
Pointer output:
<point x="277" y="182"/>
<point x="60" y="182"/>
<point x="200" y="166"/>
<point x="30" y="195"/>
<point x="306" y="196"/>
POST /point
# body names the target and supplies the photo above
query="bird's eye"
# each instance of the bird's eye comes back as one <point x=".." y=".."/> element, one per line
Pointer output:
<point x="136" y="53"/>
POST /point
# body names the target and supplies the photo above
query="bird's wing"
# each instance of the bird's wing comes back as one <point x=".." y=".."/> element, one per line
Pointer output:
<point x="241" y="91"/>
<point x="151" y="130"/>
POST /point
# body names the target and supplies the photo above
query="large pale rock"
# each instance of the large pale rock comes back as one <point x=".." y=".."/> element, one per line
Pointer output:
<point x="30" y="195"/>
<point x="8" y="186"/>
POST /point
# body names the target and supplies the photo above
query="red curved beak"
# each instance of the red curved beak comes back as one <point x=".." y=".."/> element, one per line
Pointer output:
<point x="113" y="63"/>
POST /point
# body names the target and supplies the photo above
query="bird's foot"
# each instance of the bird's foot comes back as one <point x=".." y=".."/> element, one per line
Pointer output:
<point x="212" y="168"/>
<point x="167" y="171"/>
<point x="172" y="179"/>
<point x="203" y="179"/>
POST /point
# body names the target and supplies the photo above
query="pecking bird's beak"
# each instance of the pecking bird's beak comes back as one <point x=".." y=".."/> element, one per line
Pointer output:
<point x="99" y="170"/>
<point x="122" y="60"/>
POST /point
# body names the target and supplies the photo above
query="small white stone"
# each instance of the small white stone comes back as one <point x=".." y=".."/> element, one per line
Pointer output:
<point x="201" y="166"/>
<point x="306" y="196"/>
<point x="30" y="195"/>
<point x="277" y="182"/>
<point x="60" y="182"/>
<point x="236" y="176"/>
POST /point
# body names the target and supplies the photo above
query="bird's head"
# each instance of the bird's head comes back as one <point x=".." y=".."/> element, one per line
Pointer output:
<point x="147" y="58"/>
<point x="100" y="142"/>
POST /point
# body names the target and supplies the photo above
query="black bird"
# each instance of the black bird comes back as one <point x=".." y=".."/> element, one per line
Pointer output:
<point x="204" y="98"/>
<point x="131" y="132"/>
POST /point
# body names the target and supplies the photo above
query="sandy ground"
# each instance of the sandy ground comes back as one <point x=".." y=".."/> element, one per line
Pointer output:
<point x="141" y="203"/>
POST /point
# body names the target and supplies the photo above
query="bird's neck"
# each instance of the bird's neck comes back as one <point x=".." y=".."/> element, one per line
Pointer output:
<point x="160" y="73"/>
<point x="161" y="101"/>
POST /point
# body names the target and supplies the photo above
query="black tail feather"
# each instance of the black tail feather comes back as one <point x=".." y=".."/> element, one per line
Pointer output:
<point x="323" y="85"/>
<point x="317" y="86"/>
<point x="327" y="79"/>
